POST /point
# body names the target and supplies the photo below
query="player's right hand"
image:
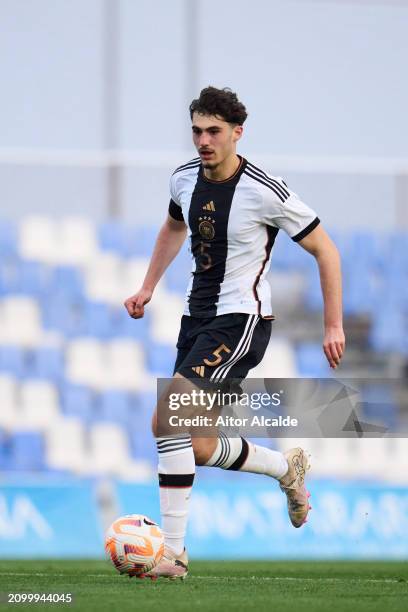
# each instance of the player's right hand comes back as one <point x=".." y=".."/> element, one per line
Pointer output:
<point x="136" y="303"/>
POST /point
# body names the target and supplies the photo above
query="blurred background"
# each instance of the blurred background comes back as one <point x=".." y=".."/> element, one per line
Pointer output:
<point x="94" y="118"/>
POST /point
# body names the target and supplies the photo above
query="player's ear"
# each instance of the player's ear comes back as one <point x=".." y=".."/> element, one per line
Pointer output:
<point x="237" y="132"/>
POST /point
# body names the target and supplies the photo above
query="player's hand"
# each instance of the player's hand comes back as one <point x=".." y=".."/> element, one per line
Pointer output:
<point x="136" y="303"/>
<point x="334" y="344"/>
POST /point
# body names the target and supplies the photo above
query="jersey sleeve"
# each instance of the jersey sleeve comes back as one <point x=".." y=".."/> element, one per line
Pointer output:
<point x="175" y="210"/>
<point x="283" y="209"/>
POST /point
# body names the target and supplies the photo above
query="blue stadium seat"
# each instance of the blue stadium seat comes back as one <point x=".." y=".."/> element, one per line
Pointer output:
<point x="63" y="313"/>
<point x="160" y="358"/>
<point x="31" y="278"/>
<point x="378" y="405"/>
<point x="67" y="280"/>
<point x="179" y="272"/>
<point x="98" y="320"/>
<point x="77" y="401"/>
<point x="142" y="443"/>
<point x="141" y="241"/>
<point x="4" y="451"/>
<point x="13" y="360"/>
<point x="27" y="451"/>
<point x="126" y="327"/>
<point x="112" y="236"/>
<point x="389" y="329"/>
<point x="114" y="406"/>
<point x="8" y="238"/>
<point x="311" y="361"/>
<point x="48" y="363"/>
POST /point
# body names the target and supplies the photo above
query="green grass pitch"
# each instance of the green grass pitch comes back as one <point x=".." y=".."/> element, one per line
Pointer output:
<point x="216" y="586"/>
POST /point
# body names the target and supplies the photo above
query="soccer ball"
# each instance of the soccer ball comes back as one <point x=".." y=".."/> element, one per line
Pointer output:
<point x="134" y="544"/>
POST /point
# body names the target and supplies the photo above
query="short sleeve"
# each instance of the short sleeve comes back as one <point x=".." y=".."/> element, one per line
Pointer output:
<point x="175" y="210"/>
<point x="282" y="208"/>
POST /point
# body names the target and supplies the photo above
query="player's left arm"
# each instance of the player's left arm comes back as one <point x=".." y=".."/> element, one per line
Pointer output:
<point x="319" y="244"/>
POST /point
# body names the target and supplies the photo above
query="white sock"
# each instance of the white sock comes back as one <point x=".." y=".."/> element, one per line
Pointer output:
<point x="238" y="454"/>
<point x="176" y="475"/>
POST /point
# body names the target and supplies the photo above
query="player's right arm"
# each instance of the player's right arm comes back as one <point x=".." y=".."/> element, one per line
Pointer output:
<point x="168" y="244"/>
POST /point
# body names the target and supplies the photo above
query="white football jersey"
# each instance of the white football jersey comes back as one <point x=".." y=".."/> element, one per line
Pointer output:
<point x="232" y="227"/>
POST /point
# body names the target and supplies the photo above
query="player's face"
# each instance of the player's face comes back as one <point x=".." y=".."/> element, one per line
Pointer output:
<point x="214" y="139"/>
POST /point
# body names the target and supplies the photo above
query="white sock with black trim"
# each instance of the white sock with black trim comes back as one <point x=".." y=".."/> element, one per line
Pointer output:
<point x="238" y="454"/>
<point x="176" y="476"/>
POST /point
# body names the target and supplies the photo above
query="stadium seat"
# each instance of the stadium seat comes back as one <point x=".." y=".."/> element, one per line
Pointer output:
<point x="103" y="279"/>
<point x="38" y="239"/>
<point x="78" y="241"/>
<point x="112" y="236"/>
<point x="8" y="238"/>
<point x="378" y="405"/>
<point x="141" y="241"/>
<point x="66" y="281"/>
<point x="109" y="449"/>
<point x="20" y="321"/>
<point x="77" y="401"/>
<point x="86" y="362"/>
<point x="125" y="366"/>
<point x="98" y="320"/>
<point x="8" y="410"/>
<point x="161" y="359"/>
<point x="4" y="451"/>
<point x="126" y="327"/>
<point x="39" y="405"/>
<point x="47" y="363"/>
<point x="167" y="310"/>
<point x="113" y="406"/>
<point x="311" y="361"/>
<point x="65" y="445"/>
<point x="13" y="360"/>
<point x="27" y="451"/>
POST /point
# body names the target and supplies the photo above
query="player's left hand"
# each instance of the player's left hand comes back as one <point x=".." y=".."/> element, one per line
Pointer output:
<point x="334" y="344"/>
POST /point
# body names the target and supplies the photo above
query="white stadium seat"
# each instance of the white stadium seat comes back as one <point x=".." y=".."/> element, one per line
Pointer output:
<point x="20" y="321"/>
<point x="167" y="310"/>
<point x="38" y="239"/>
<point x="86" y="362"/>
<point x="38" y="405"/>
<point x="66" y="445"/>
<point x="109" y="449"/>
<point x="8" y="403"/>
<point x="103" y="279"/>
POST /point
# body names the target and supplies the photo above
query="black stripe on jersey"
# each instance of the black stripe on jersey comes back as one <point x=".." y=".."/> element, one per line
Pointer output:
<point x="209" y="241"/>
<point x="191" y="164"/>
<point x="175" y="211"/>
<point x="268" y="179"/>
<point x="272" y="188"/>
<point x="272" y="233"/>
<point x="307" y="230"/>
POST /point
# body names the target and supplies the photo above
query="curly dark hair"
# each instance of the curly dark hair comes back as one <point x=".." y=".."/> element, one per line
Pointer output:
<point x="221" y="102"/>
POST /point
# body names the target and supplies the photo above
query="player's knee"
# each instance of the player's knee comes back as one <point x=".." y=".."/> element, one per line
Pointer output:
<point x="203" y="450"/>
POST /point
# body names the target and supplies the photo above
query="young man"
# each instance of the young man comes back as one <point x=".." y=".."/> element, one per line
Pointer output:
<point x="232" y="211"/>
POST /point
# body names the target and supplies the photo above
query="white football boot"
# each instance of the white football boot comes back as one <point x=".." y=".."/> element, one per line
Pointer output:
<point x="293" y="484"/>
<point x="171" y="566"/>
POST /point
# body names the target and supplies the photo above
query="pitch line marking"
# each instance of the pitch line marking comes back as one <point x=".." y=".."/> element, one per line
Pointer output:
<point x="265" y="578"/>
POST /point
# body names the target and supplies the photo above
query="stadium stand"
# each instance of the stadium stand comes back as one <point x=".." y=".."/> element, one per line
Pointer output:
<point x="77" y="375"/>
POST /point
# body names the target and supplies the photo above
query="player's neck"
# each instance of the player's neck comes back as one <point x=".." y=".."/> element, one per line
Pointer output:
<point x="225" y="170"/>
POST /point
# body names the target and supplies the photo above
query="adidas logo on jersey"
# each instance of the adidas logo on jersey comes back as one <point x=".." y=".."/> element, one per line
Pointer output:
<point x="209" y="206"/>
<point x="200" y="370"/>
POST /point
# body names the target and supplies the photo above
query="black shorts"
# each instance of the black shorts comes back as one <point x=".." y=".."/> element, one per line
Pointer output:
<point x="221" y="348"/>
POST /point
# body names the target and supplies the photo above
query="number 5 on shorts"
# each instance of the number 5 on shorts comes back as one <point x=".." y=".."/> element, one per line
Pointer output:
<point x="217" y="354"/>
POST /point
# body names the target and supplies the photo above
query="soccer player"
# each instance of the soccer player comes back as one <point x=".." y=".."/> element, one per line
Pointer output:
<point x="232" y="211"/>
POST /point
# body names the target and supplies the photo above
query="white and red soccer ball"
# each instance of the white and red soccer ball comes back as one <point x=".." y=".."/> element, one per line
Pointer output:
<point x="135" y="544"/>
